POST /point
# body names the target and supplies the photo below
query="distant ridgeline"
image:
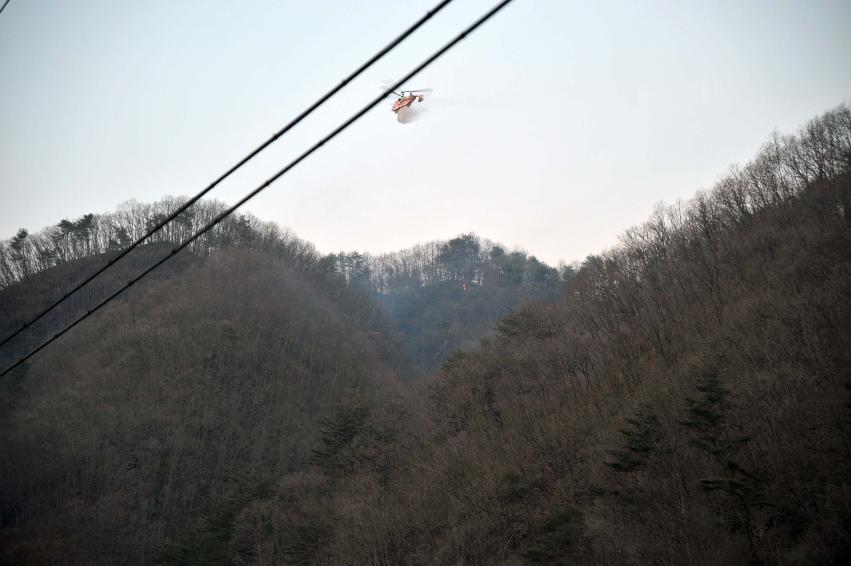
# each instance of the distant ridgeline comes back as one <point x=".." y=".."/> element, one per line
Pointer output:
<point x="467" y="260"/>
<point x="442" y="296"/>
<point x="25" y="254"/>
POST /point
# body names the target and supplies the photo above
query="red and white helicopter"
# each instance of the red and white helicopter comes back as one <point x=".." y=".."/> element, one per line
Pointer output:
<point x="405" y="98"/>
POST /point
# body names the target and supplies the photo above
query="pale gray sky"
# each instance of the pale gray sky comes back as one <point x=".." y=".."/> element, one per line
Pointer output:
<point x="554" y="128"/>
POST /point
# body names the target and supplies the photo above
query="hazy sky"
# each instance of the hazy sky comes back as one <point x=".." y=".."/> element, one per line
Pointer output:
<point x="553" y="128"/>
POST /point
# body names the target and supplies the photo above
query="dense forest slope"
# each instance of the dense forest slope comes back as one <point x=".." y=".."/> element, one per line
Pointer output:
<point x="685" y="403"/>
<point x="176" y="398"/>
<point x="683" y="400"/>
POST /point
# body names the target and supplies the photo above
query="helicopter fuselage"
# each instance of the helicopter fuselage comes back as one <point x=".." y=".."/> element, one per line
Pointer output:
<point x="406" y="101"/>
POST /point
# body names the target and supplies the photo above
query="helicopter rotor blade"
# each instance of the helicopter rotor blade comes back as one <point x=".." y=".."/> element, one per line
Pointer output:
<point x="385" y="86"/>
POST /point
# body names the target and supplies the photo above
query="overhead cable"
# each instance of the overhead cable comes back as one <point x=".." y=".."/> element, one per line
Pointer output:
<point x="386" y="49"/>
<point x="488" y="15"/>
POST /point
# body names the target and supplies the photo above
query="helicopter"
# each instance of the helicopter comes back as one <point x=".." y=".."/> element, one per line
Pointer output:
<point x="405" y="98"/>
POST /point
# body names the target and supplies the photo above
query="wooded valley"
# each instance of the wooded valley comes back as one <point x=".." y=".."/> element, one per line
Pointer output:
<point x="681" y="398"/>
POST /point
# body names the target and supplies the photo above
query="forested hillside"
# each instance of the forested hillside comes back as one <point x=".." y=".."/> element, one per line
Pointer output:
<point x="444" y="296"/>
<point x="196" y="388"/>
<point x="441" y="296"/>
<point x="685" y="402"/>
<point x="682" y="398"/>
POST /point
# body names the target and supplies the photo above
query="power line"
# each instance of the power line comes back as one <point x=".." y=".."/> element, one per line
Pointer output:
<point x="3" y="7"/>
<point x="488" y="15"/>
<point x="386" y="49"/>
